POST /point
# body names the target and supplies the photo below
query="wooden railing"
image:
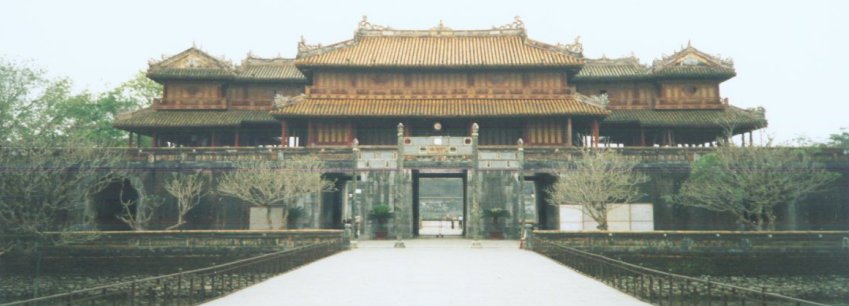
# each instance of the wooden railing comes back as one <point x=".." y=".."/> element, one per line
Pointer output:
<point x="658" y="287"/>
<point x="440" y="93"/>
<point x="345" y="154"/>
<point x="195" y="286"/>
<point x="186" y="103"/>
<point x="251" y="104"/>
<point x="703" y="242"/>
<point x="687" y="103"/>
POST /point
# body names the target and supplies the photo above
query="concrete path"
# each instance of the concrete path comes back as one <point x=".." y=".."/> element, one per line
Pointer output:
<point x="431" y="272"/>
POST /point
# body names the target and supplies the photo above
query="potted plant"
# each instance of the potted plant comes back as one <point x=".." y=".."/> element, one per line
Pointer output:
<point x="295" y="213"/>
<point x="494" y="214"/>
<point x="380" y="214"/>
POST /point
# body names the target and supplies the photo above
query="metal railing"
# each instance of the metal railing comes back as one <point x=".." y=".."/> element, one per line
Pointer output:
<point x="195" y="286"/>
<point x="657" y="287"/>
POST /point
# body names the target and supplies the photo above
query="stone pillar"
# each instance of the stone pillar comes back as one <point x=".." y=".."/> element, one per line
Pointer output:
<point x="473" y="193"/>
<point x="400" y="193"/>
<point x="568" y="131"/>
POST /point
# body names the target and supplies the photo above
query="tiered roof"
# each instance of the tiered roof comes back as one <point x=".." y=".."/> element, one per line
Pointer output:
<point x="627" y="68"/>
<point x="697" y="118"/>
<point x="443" y="108"/>
<point x="688" y="63"/>
<point x="440" y="47"/>
<point x="269" y="69"/>
<point x="148" y="118"/>
<point x="196" y="64"/>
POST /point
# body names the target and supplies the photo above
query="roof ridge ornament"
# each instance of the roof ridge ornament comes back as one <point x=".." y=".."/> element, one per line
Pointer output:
<point x="576" y="47"/>
<point x="281" y="101"/>
<point x="366" y="25"/>
<point x="686" y="53"/>
<point x="595" y="100"/>
<point x="304" y="47"/>
<point x="517" y="24"/>
<point x="441" y="27"/>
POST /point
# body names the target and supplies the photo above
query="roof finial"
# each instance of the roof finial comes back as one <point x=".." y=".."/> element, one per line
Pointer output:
<point x="194" y="44"/>
<point x="517" y="21"/>
<point x="364" y="22"/>
<point x="689" y="45"/>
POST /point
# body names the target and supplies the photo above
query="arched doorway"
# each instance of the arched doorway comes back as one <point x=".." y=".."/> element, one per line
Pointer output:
<point x="107" y="205"/>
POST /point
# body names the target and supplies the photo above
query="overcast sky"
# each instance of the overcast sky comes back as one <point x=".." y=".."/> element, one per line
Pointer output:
<point x="790" y="56"/>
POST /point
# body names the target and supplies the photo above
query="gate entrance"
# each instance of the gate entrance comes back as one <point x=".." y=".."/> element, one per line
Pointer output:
<point x="439" y="204"/>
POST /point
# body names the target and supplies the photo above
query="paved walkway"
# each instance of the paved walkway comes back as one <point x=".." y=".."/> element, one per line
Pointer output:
<point x="431" y="272"/>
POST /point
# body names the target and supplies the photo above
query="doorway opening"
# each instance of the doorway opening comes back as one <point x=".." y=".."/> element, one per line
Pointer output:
<point x="439" y="204"/>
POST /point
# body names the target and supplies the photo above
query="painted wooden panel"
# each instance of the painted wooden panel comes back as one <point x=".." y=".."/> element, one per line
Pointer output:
<point x="545" y="132"/>
<point x="332" y="133"/>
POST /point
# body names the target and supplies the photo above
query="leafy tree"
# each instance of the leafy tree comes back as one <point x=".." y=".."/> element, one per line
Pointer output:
<point x="274" y="183"/>
<point x="750" y="182"/>
<point x="35" y="108"/>
<point x="598" y="178"/>
<point x="840" y="140"/>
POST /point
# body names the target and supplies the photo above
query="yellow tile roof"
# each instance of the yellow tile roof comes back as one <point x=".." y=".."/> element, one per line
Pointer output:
<point x="318" y="107"/>
<point x="423" y="49"/>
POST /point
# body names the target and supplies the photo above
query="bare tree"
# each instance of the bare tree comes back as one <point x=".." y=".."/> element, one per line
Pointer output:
<point x="750" y="182"/>
<point x="44" y="188"/>
<point x="188" y="189"/>
<point x="274" y="183"/>
<point x="138" y="213"/>
<point x="595" y="180"/>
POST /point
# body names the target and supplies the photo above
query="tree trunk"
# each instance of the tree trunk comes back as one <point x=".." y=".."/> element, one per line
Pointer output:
<point x="602" y="225"/>
<point x="285" y="221"/>
<point x="179" y="223"/>
<point x="268" y="217"/>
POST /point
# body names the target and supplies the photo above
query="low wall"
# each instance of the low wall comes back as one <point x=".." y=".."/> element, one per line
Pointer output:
<point x="717" y="252"/>
<point x="158" y="251"/>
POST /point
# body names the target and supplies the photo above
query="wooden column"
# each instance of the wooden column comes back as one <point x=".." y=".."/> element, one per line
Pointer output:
<point x="568" y="131"/>
<point x="310" y="133"/>
<point x="595" y="133"/>
<point x="153" y="140"/>
<point x="236" y="138"/>
<point x="350" y="132"/>
<point x="642" y="137"/>
<point x="213" y="138"/>
<point x="743" y="139"/>
<point x="284" y="133"/>
<point x="751" y="139"/>
<point x="130" y="140"/>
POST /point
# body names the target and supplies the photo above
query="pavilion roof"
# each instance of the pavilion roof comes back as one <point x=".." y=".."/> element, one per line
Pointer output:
<point x="321" y="107"/>
<point x="195" y="64"/>
<point x="271" y="69"/>
<point x="440" y="47"/>
<point x="148" y="118"/>
<point x="627" y="68"/>
<point x="687" y="63"/>
<point x="741" y="118"/>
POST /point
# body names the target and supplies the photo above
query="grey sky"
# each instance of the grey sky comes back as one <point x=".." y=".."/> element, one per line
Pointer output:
<point x="790" y="56"/>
